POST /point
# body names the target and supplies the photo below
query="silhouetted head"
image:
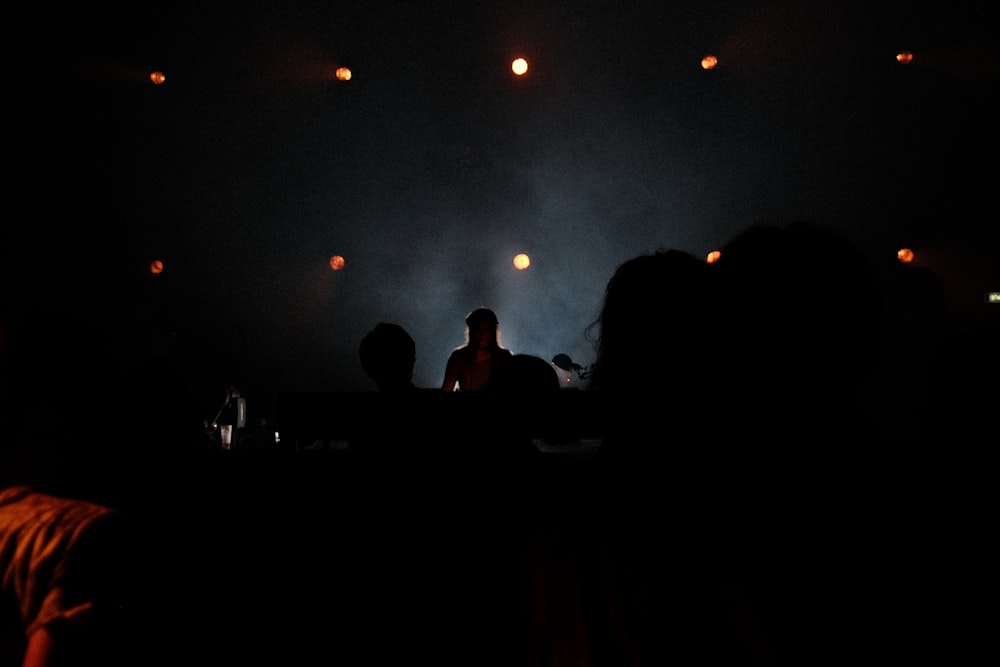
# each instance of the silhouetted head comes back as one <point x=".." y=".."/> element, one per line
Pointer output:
<point x="802" y="321"/>
<point x="480" y="316"/>
<point x="524" y="374"/>
<point x="519" y="388"/>
<point x="483" y="328"/>
<point x="388" y="354"/>
<point x="654" y="324"/>
<point x="802" y="293"/>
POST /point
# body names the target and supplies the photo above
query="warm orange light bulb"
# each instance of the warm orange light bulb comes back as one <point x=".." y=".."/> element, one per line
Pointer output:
<point x="336" y="262"/>
<point x="521" y="261"/>
<point x="713" y="257"/>
<point x="343" y="74"/>
<point x="709" y="62"/>
<point x="905" y="57"/>
<point x="157" y="77"/>
<point x="905" y="255"/>
<point x="156" y="266"/>
<point x="519" y="66"/>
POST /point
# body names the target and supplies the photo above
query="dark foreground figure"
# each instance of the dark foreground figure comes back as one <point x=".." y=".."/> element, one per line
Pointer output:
<point x="739" y="516"/>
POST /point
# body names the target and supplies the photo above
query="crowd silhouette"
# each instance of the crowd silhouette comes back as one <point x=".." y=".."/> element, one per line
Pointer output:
<point x="713" y="526"/>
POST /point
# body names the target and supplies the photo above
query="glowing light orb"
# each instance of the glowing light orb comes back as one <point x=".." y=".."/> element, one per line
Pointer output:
<point x="905" y="255"/>
<point x="519" y="66"/>
<point x="157" y="77"/>
<point x="343" y="74"/>
<point x="521" y="262"/>
<point x="156" y="266"/>
<point x="709" y="62"/>
<point x="336" y="262"/>
<point x="905" y="57"/>
<point x="713" y="257"/>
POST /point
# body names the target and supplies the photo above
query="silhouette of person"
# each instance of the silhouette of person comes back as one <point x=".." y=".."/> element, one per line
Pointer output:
<point x="388" y="355"/>
<point x="521" y="388"/>
<point x="654" y="351"/>
<point x="801" y="319"/>
<point x="524" y="374"/>
<point x="647" y="568"/>
<point x="469" y="366"/>
<point x="802" y="331"/>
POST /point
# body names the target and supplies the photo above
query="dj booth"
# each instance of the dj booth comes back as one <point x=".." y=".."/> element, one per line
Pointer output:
<point x="436" y="416"/>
